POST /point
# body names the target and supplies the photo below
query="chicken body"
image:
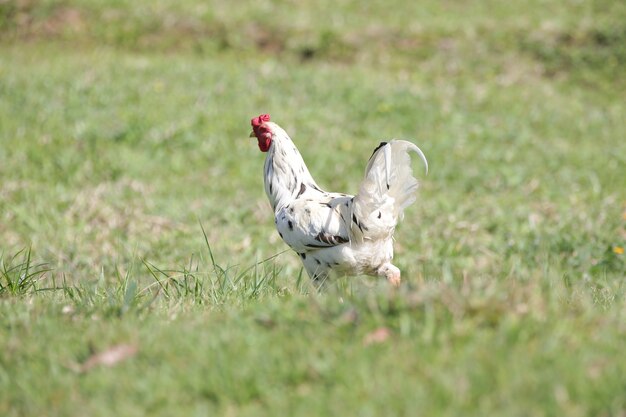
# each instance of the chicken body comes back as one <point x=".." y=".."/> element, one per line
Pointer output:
<point x="334" y="232"/>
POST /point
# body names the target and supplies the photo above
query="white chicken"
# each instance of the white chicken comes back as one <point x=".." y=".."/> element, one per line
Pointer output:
<point x="349" y="235"/>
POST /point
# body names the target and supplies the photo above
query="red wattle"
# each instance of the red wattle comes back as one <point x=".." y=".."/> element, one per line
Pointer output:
<point x="262" y="134"/>
<point x="264" y="143"/>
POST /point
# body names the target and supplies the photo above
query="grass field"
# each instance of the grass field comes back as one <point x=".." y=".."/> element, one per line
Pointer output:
<point x="141" y="273"/>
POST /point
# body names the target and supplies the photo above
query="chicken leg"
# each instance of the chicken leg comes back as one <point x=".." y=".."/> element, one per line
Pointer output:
<point x="391" y="272"/>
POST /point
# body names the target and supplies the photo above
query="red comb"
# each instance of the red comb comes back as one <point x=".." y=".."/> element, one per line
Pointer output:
<point x="258" y="121"/>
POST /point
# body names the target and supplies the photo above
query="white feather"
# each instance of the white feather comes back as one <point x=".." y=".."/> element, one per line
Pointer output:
<point x="387" y="189"/>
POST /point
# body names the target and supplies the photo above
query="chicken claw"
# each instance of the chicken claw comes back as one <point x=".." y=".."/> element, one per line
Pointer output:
<point x="391" y="272"/>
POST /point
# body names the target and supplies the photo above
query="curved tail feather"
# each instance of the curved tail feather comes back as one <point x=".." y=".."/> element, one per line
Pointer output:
<point x="387" y="189"/>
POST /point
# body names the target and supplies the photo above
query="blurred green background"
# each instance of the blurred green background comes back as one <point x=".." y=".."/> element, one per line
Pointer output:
<point x="124" y="125"/>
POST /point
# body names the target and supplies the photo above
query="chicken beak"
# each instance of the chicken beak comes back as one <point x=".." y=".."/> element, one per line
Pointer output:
<point x="252" y="134"/>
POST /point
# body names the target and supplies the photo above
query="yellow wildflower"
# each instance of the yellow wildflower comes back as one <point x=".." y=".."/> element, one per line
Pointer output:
<point x="618" y="250"/>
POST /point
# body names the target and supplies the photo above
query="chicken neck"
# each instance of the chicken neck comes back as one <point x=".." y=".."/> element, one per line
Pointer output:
<point x="286" y="175"/>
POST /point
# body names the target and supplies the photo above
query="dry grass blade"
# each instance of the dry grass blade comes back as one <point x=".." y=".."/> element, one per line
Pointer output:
<point x="379" y="335"/>
<point x="110" y="357"/>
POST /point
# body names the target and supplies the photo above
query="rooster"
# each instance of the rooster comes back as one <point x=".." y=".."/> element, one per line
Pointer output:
<point x="334" y="232"/>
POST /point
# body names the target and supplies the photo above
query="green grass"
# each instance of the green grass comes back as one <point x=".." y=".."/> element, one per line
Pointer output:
<point x="132" y="210"/>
